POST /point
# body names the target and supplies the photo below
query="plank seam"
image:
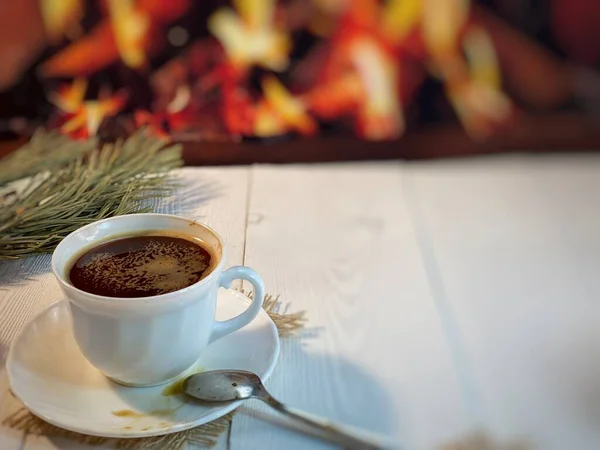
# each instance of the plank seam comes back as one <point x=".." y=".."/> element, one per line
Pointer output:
<point x="249" y="184"/>
<point x="460" y="358"/>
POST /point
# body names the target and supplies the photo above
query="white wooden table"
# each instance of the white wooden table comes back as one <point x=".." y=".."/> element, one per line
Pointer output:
<point x="443" y="298"/>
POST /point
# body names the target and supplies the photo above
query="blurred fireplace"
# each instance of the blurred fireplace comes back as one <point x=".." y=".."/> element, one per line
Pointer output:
<point x="300" y="80"/>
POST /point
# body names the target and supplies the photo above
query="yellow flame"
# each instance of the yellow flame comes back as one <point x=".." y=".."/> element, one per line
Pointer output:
<point x="59" y="15"/>
<point x="400" y="17"/>
<point x="267" y="123"/>
<point x="482" y="58"/>
<point x="292" y="110"/>
<point x="130" y="28"/>
<point x="442" y="21"/>
<point x="379" y="75"/>
<point x="90" y="115"/>
<point x="251" y="38"/>
<point x="182" y="99"/>
<point x="69" y="98"/>
<point x="256" y="13"/>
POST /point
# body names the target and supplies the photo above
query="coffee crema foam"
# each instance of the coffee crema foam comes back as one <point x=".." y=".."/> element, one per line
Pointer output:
<point x="140" y="266"/>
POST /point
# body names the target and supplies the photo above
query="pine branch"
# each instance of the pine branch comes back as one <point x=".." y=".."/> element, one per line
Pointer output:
<point x="111" y="181"/>
<point x="44" y="151"/>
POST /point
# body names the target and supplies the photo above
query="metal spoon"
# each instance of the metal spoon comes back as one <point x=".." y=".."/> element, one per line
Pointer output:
<point x="228" y="385"/>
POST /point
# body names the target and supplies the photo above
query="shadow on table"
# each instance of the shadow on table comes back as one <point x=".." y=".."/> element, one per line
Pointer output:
<point x="186" y="199"/>
<point x="3" y="355"/>
<point x="18" y="271"/>
<point x="573" y="369"/>
<point x="332" y="387"/>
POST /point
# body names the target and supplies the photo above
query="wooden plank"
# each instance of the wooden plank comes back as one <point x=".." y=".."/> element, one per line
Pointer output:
<point x="25" y="288"/>
<point x="10" y="439"/>
<point x="215" y="196"/>
<point x="338" y="241"/>
<point x="516" y="248"/>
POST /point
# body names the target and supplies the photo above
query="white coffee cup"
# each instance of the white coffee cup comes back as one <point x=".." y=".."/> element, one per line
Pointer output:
<point x="147" y="341"/>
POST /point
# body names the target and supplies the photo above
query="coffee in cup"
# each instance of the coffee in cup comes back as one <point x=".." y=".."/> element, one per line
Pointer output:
<point x="145" y="265"/>
<point x="142" y="292"/>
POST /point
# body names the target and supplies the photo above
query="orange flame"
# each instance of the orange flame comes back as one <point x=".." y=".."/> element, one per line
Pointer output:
<point x="87" y="119"/>
<point x="289" y="111"/>
<point x="68" y="98"/>
<point x="364" y="71"/>
<point x="380" y="111"/>
<point x="399" y="18"/>
<point x="364" y="77"/>
<point x="361" y="76"/>
<point x="276" y="113"/>
<point x="130" y="27"/>
<point x="175" y="117"/>
<point x="101" y="46"/>
<point x="153" y="122"/>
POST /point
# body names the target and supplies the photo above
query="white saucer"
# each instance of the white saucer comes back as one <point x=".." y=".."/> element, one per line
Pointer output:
<point x="48" y="373"/>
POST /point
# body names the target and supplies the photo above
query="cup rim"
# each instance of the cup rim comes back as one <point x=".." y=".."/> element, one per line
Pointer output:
<point x="161" y="297"/>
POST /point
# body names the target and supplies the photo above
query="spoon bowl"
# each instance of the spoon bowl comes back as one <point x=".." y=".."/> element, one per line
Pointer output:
<point x="222" y="385"/>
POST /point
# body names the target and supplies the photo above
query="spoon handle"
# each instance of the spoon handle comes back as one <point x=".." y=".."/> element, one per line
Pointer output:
<point x="352" y="439"/>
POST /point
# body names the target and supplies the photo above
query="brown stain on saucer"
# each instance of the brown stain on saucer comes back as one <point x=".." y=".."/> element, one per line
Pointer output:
<point x="129" y="413"/>
<point x="175" y="388"/>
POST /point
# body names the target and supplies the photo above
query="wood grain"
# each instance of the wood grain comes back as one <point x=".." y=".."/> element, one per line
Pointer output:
<point x="9" y="439"/>
<point x="443" y="297"/>
<point x="338" y="241"/>
<point x="516" y="245"/>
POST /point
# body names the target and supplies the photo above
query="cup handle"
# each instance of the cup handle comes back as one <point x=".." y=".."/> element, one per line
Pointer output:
<point x="222" y="328"/>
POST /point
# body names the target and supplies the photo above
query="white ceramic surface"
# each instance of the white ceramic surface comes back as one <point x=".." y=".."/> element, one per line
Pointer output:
<point x="149" y="340"/>
<point x="48" y="373"/>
